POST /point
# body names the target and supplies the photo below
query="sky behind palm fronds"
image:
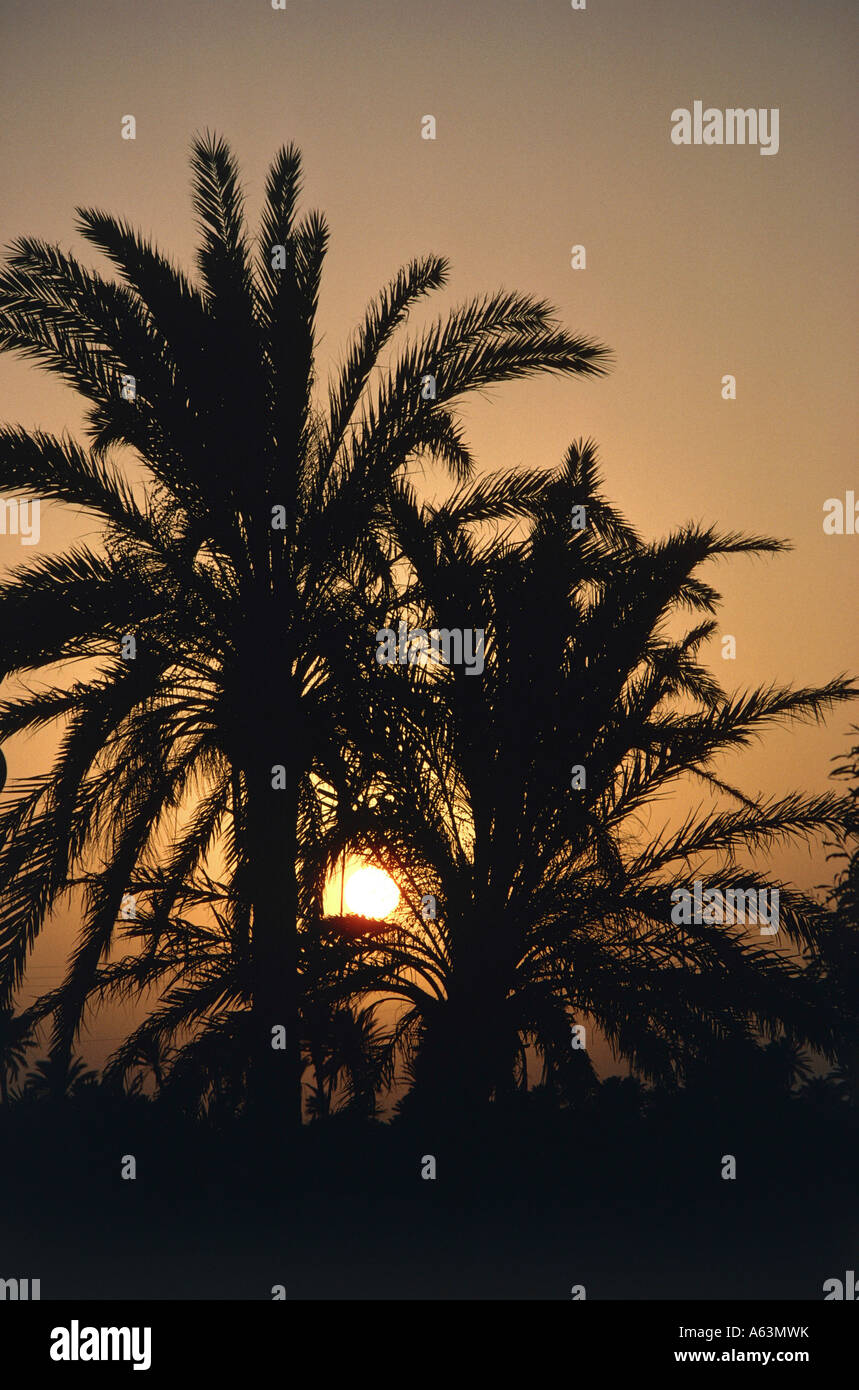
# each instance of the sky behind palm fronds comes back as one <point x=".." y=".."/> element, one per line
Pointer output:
<point x="553" y="130"/>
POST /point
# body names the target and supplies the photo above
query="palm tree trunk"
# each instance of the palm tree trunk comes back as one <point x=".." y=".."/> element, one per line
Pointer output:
<point x="469" y="1059"/>
<point x="271" y="830"/>
<point x="272" y="758"/>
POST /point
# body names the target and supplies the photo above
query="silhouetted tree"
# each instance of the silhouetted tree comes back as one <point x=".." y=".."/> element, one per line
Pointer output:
<point x="16" y="1036"/>
<point x="555" y="894"/>
<point x="837" y="964"/>
<point x="236" y="562"/>
<point x="59" y="1077"/>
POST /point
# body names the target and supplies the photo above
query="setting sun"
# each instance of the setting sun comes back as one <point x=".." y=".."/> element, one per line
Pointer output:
<point x="371" y="893"/>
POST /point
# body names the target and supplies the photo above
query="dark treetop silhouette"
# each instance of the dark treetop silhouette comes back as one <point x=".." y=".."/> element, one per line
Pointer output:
<point x="552" y="904"/>
<point x="265" y="522"/>
<point x="229" y="734"/>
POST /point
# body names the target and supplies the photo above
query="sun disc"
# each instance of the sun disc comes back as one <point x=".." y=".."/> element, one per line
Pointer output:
<point x="371" y="892"/>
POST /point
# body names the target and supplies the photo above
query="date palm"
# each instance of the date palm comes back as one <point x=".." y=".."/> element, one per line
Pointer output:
<point x="243" y="514"/>
<point x="553" y="886"/>
<point x="58" y="1077"/>
<point x="16" y="1036"/>
<point x="838" y="963"/>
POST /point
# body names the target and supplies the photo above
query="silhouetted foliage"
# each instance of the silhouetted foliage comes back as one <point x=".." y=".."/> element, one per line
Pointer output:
<point x="219" y="776"/>
<point x="239" y="566"/>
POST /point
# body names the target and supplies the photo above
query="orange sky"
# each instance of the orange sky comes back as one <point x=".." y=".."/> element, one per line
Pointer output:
<point x="552" y="129"/>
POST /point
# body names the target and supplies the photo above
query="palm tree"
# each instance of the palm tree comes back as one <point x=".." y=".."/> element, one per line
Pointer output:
<point x="154" y="1057"/>
<point x="59" y="1077"/>
<point x="197" y="1037"/>
<point x="554" y="890"/>
<point x="16" y="1036"/>
<point x="824" y="1095"/>
<point x="211" y="621"/>
<point x="837" y="965"/>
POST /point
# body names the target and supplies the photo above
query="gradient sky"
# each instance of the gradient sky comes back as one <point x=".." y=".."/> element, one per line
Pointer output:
<point x="552" y="130"/>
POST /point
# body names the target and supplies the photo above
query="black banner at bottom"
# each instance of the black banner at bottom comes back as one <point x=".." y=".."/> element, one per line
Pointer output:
<point x="85" y="1340"/>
